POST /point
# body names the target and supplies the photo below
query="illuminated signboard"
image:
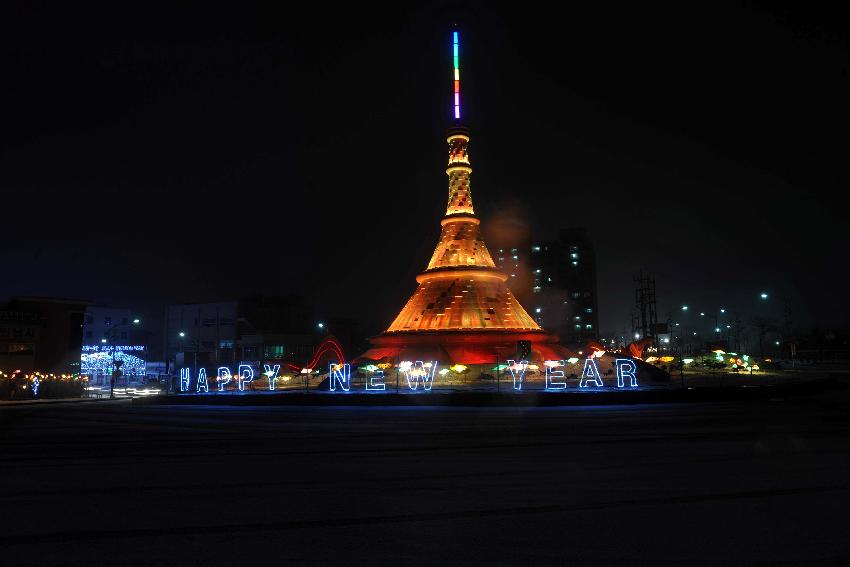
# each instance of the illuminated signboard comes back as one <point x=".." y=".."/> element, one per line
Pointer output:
<point x="97" y="360"/>
<point x="420" y="376"/>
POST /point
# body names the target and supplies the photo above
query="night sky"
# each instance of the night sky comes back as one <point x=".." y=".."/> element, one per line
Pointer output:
<point x="154" y="154"/>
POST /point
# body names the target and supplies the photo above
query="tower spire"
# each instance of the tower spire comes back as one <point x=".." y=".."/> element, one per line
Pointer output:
<point x="456" y="49"/>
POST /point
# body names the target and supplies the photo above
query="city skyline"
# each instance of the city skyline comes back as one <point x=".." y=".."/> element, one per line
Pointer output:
<point x="189" y="161"/>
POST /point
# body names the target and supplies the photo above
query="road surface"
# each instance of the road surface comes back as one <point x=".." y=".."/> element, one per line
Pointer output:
<point x="106" y="483"/>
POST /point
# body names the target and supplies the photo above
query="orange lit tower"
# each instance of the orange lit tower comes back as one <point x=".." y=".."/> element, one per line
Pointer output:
<point x="462" y="311"/>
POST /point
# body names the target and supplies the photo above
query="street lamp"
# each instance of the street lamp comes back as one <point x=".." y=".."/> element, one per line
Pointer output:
<point x="763" y="295"/>
<point x="321" y="325"/>
<point x="684" y="307"/>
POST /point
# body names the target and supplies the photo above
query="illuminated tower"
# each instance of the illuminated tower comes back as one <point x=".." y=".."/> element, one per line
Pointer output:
<point x="462" y="308"/>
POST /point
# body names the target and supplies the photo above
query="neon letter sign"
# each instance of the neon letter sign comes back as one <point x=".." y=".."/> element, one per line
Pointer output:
<point x="552" y="372"/>
<point x="271" y="373"/>
<point x="185" y="377"/>
<point x="223" y="377"/>
<point x="626" y="367"/>
<point x="371" y="385"/>
<point x="246" y="374"/>
<point x="202" y="381"/>
<point x="340" y="373"/>
<point x="590" y="374"/>
<point x="419" y="372"/>
<point x="518" y="380"/>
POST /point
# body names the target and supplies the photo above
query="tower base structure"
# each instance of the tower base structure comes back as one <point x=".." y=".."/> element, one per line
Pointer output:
<point x="463" y="346"/>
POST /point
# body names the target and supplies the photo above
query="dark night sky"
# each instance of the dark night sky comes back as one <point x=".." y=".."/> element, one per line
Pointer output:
<point x="158" y="154"/>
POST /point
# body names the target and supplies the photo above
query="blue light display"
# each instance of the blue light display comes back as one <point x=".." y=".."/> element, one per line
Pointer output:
<point x="626" y="367"/>
<point x="96" y="360"/>
<point x="420" y="375"/>
<point x="590" y="374"/>
<point x="519" y="380"/>
<point x="223" y="377"/>
<point x="35" y="384"/>
<point x="202" y="381"/>
<point x="339" y="374"/>
<point x="271" y="373"/>
<point x="185" y="378"/>
<point x="555" y="379"/>
<point x="419" y="372"/>
<point x="374" y="386"/>
<point x="246" y="374"/>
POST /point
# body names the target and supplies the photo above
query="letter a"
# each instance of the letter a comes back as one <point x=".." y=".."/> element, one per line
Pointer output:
<point x="590" y="374"/>
<point x="202" y="381"/>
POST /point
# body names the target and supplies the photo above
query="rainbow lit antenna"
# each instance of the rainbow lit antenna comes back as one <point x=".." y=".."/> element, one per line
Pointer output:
<point x="457" y="77"/>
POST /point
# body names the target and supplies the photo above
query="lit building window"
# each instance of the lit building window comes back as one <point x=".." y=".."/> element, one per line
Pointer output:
<point x="535" y="249"/>
<point x="588" y="326"/>
<point x="578" y="326"/>
<point x="589" y="310"/>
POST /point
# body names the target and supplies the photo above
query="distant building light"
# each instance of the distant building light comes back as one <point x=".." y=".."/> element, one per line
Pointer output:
<point x="763" y="295"/>
<point x="538" y="310"/>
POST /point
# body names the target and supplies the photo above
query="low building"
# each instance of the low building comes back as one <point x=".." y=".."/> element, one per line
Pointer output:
<point x="248" y="331"/>
<point x="41" y="334"/>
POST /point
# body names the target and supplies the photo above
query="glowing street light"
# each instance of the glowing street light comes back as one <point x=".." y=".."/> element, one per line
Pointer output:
<point x="717" y="329"/>
<point x="321" y="325"/>
<point x="136" y="321"/>
<point x="103" y="340"/>
<point x="722" y="310"/>
<point x="763" y="295"/>
<point x="684" y="307"/>
<point x="701" y="314"/>
<point x="182" y="334"/>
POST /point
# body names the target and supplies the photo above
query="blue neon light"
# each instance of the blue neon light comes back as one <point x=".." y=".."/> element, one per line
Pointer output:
<point x="339" y="374"/>
<point x="223" y="376"/>
<point x="35" y="384"/>
<point x="202" y="381"/>
<point x="590" y="374"/>
<point x="552" y="373"/>
<point x="245" y="375"/>
<point x="518" y="380"/>
<point x="185" y="379"/>
<point x="373" y="386"/>
<point x="271" y="373"/>
<point x="626" y="367"/>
